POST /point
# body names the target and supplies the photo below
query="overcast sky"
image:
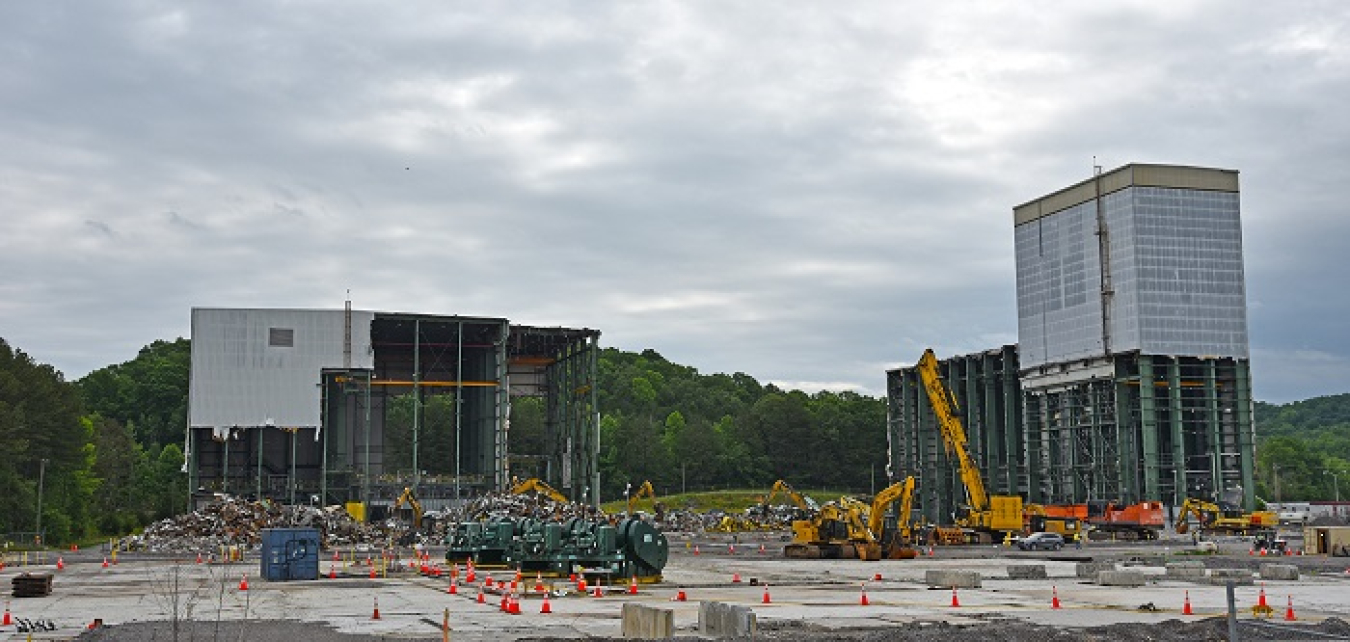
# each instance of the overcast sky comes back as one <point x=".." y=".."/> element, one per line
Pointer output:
<point x="805" y="193"/>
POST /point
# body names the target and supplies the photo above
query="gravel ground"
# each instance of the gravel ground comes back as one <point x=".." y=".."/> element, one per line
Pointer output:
<point x="1210" y="629"/>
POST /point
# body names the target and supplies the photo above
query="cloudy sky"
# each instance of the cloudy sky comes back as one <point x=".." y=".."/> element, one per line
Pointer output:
<point x="805" y="193"/>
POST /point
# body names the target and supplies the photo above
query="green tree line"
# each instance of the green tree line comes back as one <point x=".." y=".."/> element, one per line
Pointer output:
<point x="1305" y="445"/>
<point x="104" y="450"/>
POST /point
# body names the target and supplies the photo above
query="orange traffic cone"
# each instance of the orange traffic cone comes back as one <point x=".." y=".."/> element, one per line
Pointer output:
<point x="1289" y="612"/>
<point x="243" y="582"/>
<point x="502" y="605"/>
<point x="696" y="549"/>
<point x="581" y="583"/>
<point x="596" y="592"/>
<point x="1054" y="597"/>
<point x="930" y="551"/>
<point x="680" y="597"/>
<point x="761" y="549"/>
<point x="1186" y="606"/>
<point x="1261" y="599"/>
<point x="332" y="571"/>
<point x="766" y="595"/>
<point x="9" y="619"/>
<point x="60" y="563"/>
<point x="864" y="601"/>
<point x="199" y="558"/>
<point x="955" y="602"/>
<point x="376" y="614"/>
<point x="469" y="574"/>
<point x="454" y="586"/>
<point x="481" y="599"/>
<point x="105" y="562"/>
<point x="1263" y="552"/>
<point x="735" y="578"/>
<point x="545" y="607"/>
<point x="538" y="582"/>
<point x="372" y="572"/>
<point x="731" y="549"/>
<point x="632" y="585"/>
<point x="513" y="605"/>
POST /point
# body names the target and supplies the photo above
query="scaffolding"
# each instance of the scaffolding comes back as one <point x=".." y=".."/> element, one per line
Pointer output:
<point x="1130" y="428"/>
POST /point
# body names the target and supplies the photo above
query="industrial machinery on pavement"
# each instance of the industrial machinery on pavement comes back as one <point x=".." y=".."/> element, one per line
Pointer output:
<point x="1050" y="519"/>
<point x="1225" y="518"/>
<point x="837" y="531"/>
<point x="1143" y="520"/>
<point x="592" y="547"/>
<point x="539" y="486"/>
<point x="851" y="528"/>
<point x="982" y="517"/>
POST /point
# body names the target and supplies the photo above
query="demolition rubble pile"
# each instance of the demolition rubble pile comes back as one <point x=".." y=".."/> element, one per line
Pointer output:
<point x="525" y="505"/>
<point x="237" y="522"/>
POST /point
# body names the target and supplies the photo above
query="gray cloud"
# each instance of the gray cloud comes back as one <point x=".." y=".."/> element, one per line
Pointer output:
<point x="806" y="195"/>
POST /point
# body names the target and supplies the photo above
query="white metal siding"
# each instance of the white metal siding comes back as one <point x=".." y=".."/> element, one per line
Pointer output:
<point x="238" y="379"/>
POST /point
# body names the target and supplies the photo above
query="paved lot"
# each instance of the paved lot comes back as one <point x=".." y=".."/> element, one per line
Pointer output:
<point x="825" y="593"/>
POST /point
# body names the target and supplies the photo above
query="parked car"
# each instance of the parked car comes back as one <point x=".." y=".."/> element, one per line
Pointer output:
<point x="1042" y="542"/>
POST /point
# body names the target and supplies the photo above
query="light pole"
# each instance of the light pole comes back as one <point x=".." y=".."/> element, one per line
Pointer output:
<point x="1335" y="483"/>
<point x="42" y="478"/>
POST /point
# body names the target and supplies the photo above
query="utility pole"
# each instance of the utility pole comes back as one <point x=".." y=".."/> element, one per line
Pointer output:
<point x="1277" y="483"/>
<point x="1335" y="483"/>
<point x="42" y="478"/>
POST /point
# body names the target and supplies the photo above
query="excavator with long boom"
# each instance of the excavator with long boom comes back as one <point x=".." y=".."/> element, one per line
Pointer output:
<point x="982" y="517"/>
<point x="1226" y="519"/>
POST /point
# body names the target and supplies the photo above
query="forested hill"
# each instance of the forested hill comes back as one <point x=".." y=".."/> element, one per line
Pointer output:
<point x="111" y="441"/>
<point x="1309" y="442"/>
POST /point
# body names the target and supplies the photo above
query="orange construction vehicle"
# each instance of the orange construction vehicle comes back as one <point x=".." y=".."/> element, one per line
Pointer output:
<point x="1134" y="521"/>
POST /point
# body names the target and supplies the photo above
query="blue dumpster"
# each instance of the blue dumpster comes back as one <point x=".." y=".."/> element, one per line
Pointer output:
<point x="290" y="554"/>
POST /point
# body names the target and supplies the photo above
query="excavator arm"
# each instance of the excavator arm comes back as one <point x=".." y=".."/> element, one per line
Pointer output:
<point x="409" y="499"/>
<point x="645" y="490"/>
<point x="782" y="487"/>
<point x="901" y="491"/>
<point x="539" y="486"/>
<point x="953" y="434"/>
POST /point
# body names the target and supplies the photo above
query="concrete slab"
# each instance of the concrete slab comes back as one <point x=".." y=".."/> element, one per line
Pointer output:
<point x="824" y="593"/>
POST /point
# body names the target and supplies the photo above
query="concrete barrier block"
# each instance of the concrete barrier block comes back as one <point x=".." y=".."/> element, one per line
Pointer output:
<point x="1027" y="572"/>
<point x="647" y="622"/>
<point x="1279" y="572"/>
<point x="1090" y="570"/>
<point x="722" y="620"/>
<point x="1121" y="578"/>
<point x="1186" y="570"/>
<point x="952" y="579"/>
<point x="1238" y="576"/>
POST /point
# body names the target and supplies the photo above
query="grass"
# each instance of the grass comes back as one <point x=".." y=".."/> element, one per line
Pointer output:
<point x="731" y="501"/>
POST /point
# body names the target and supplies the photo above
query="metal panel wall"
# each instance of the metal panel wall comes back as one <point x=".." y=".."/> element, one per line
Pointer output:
<point x="240" y="376"/>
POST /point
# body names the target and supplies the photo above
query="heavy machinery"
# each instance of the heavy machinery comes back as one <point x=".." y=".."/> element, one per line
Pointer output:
<point x="983" y="516"/>
<point x="837" y="531"/>
<point x="409" y="509"/>
<point x="851" y="528"/>
<point x="1108" y="519"/>
<point x="594" y="548"/>
<point x="1225" y="518"/>
<point x="896" y="539"/>
<point x="534" y="484"/>
<point x="645" y="490"/>
<point x="1050" y="519"/>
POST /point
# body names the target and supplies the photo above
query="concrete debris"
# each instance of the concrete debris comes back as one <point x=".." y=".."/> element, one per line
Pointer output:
<point x="236" y="522"/>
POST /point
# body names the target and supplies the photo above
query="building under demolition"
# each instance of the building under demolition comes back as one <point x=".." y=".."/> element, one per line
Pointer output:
<point x="1131" y="377"/>
<point x="346" y="405"/>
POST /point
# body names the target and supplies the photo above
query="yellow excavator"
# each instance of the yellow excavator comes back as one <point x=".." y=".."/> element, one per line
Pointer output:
<point x="802" y="502"/>
<point x="837" y="531"/>
<point x="983" y="516"/>
<point x="409" y="509"/>
<point x="645" y="490"/>
<point x="897" y="542"/>
<point x="534" y="484"/>
<point x="1214" y="518"/>
<point x="851" y="528"/>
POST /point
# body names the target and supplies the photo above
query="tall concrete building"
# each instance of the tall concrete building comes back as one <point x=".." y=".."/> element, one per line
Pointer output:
<point x="1132" y="380"/>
